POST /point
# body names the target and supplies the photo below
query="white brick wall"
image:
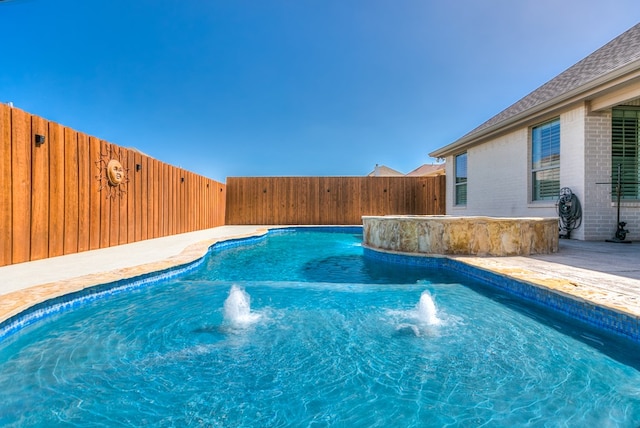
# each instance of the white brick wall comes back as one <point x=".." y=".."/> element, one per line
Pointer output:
<point x="499" y="176"/>
<point x="497" y="186"/>
<point x="498" y="180"/>
<point x="572" y="157"/>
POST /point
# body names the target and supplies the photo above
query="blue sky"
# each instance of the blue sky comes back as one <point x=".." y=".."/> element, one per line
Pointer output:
<point x="295" y="87"/>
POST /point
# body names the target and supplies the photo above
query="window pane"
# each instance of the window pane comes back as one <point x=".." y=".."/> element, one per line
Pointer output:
<point x="545" y="143"/>
<point x="461" y="179"/>
<point x="461" y="168"/>
<point x="546" y="184"/>
<point x="461" y="194"/>
<point x="545" y="160"/>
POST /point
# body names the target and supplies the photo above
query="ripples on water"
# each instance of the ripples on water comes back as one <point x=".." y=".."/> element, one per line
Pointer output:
<point x="261" y="337"/>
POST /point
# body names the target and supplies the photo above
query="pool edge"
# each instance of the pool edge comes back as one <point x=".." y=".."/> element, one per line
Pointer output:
<point x="21" y="308"/>
<point x="599" y="315"/>
<point x="45" y="299"/>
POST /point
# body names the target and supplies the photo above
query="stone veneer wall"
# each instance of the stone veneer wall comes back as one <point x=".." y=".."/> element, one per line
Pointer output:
<point x="447" y="235"/>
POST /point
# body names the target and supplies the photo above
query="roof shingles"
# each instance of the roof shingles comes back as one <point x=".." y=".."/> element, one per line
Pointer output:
<point x="619" y="52"/>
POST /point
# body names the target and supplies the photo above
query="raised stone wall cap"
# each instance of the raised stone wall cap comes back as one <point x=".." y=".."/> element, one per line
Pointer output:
<point x="462" y="235"/>
<point x="455" y="217"/>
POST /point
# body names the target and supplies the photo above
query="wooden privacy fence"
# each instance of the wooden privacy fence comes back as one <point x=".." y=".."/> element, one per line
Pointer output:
<point x="57" y="197"/>
<point x="330" y="200"/>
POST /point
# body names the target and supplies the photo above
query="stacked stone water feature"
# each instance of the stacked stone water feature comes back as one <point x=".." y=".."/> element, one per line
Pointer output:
<point x="473" y="235"/>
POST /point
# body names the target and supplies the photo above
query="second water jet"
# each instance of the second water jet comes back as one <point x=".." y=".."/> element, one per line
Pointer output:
<point x="237" y="308"/>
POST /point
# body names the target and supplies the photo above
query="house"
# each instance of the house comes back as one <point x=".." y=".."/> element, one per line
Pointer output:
<point x="428" y="170"/>
<point x="384" y="171"/>
<point x="575" y="131"/>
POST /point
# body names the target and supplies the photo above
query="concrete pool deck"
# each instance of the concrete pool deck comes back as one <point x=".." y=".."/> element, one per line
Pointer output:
<point x="605" y="274"/>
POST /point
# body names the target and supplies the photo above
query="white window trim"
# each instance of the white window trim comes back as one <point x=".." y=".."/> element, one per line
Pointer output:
<point x="539" y="203"/>
<point x="455" y="177"/>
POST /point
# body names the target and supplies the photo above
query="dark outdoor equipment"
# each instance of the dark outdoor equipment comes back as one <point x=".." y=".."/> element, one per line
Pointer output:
<point x="569" y="211"/>
<point x="621" y="232"/>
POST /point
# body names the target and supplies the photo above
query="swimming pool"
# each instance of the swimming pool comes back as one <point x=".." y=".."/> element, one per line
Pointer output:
<point x="301" y="329"/>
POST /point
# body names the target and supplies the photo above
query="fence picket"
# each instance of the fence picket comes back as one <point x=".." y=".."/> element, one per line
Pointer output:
<point x="55" y="197"/>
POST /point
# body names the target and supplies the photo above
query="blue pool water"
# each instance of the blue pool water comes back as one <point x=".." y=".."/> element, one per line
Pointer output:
<point x="299" y="329"/>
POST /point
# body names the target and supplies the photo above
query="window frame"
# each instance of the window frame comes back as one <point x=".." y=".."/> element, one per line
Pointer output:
<point x="462" y="184"/>
<point x="621" y="144"/>
<point x="544" y="165"/>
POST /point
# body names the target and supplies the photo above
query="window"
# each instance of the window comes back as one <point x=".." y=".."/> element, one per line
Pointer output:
<point x="625" y="129"/>
<point x="461" y="179"/>
<point x="545" y="161"/>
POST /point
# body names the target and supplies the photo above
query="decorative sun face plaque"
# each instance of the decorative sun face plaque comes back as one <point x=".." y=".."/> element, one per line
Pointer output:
<point x="115" y="172"/>
<point x="112" y="176"/>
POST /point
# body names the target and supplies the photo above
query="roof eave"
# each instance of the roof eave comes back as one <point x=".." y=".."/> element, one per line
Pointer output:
<point x="581" y="93"/>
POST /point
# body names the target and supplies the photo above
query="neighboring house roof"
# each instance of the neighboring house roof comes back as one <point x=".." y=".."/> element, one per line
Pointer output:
<point x="428" y="170"/>
<point x="614" y="60"/>
<point x="384" y="171"/>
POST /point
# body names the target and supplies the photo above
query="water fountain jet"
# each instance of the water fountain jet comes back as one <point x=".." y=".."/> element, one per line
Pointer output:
<point x="237" y="308"/>
<point x="426" y="308"/>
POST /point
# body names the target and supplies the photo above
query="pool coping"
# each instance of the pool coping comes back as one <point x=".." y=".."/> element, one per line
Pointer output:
<point x="560" y="293"/>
